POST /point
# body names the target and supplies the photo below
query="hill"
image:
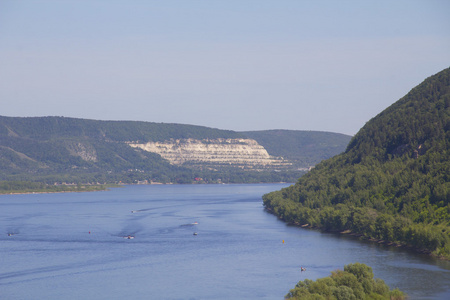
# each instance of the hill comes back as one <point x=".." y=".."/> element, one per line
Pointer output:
<point x="59" y="149"/>
<point x="391" y="183"/>
<point x="303" y="148"/>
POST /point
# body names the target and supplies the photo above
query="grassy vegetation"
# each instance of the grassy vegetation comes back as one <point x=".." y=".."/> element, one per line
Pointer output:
<point x="23" y="187"/>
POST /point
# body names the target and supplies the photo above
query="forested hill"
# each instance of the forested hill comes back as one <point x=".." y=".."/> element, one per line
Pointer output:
<point x="392" y="183"/>
<point x="46" y="128"/>
<point x="304" y="148"/>
<point x="70" y="150"/>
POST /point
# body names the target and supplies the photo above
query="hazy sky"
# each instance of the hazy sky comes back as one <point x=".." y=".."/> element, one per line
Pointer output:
<point x="239" y="65"/>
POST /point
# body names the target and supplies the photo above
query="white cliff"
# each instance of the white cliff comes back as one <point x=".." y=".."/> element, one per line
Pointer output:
<point x="244" y="153"/>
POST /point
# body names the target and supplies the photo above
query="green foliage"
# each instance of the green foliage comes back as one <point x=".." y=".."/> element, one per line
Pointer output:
<point x="355" y="282"/>
<point x="392" y="183"/>
<point x="47" y="128"/>
<point x="396" y="294"/>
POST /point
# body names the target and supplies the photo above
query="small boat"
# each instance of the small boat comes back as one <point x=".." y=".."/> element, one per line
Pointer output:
<point x="195" y="233"/>
<point x="128" y="237"/>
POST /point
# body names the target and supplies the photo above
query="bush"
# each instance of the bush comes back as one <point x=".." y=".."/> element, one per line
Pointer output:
<point x="355" y="282"/>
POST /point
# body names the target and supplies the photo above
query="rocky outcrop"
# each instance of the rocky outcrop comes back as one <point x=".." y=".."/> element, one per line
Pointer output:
<point x="244" y="153"/>
<point x="84" y="150"/>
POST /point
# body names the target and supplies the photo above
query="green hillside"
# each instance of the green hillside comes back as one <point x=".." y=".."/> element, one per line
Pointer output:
<point x="391" y="183"/>
<point x="59" y="149"/>
<point x="304" y="148"/>
<point x="46" y="128"/>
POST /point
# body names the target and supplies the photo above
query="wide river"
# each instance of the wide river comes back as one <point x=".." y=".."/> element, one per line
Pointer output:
<point x="75" y="246"/>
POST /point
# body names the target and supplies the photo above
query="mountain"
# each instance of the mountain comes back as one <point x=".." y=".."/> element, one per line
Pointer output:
<point x="59" y="149"/>
<point x="303" y="148"/>
<point x="391" y="183"/>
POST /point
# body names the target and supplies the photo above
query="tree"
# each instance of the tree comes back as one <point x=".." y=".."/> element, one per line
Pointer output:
<point x="355" y="282"/>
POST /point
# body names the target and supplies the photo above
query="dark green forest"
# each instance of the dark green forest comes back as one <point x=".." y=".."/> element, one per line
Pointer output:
<point x="391" y="183"/>
<point x="355" y="282"/>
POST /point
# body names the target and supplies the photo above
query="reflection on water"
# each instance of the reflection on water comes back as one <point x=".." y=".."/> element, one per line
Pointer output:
<point x="181" y="242"/>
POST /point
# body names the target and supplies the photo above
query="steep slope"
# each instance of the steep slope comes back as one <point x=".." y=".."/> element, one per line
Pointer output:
<point x="214" y="153"/>
<point x="392" y="182"/>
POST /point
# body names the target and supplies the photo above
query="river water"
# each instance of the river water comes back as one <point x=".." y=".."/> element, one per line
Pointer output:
<point x="75" y="246"/>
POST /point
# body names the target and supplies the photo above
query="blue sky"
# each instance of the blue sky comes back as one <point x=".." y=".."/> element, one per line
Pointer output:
<point x="238" y="65"/>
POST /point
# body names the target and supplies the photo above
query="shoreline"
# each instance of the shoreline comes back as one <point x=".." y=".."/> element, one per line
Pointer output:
<point x="107" y="186"/>
<point x="361" y="237"/>
<point x="98" y="188"/>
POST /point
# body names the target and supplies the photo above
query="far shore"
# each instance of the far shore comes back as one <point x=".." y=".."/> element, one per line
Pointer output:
<point x="69" y="189"/>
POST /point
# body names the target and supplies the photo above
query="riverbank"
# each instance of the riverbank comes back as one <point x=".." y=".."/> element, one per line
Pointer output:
<point x="395" y="244"/>
<point x="58" y="189"/>
<point x="362" y="237"/>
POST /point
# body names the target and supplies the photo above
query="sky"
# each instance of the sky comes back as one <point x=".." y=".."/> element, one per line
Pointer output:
<point x="239" y="65"/>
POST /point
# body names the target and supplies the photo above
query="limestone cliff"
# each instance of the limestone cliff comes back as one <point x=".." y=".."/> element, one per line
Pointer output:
<point x="244" y="153"/>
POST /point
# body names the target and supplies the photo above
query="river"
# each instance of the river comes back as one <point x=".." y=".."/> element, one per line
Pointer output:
<point x="186" y="242"/>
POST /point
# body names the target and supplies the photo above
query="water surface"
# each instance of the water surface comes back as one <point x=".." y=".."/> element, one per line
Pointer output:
<point x="75" y="246"/>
